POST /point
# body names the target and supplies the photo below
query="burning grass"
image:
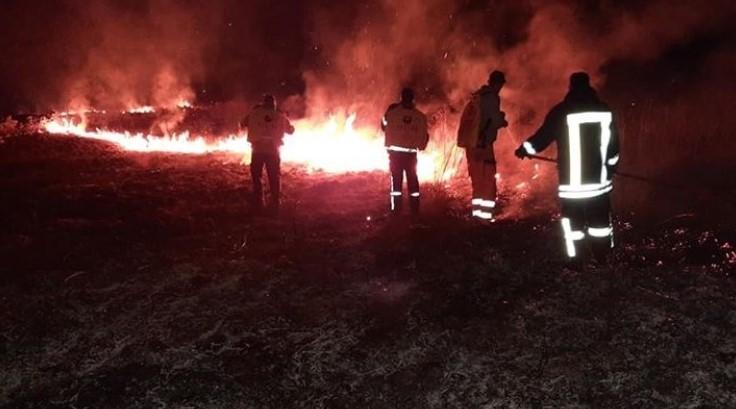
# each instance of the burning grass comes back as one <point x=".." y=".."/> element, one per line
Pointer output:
<point x="333" y="144"/>
<point x="140" y="281"/>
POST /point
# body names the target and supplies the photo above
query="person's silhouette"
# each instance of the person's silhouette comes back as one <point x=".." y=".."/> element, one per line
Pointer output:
<point x="588" y="153"/>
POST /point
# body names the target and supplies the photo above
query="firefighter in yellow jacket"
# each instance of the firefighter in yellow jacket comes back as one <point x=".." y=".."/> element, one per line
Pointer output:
<point x="266" y="128"/>
<point x="479" y="125"/>
<point x="406" y="133"/>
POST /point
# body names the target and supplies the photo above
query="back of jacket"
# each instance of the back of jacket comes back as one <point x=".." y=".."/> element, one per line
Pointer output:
<point x="266" y="128"/>
<point x="405" y="128"/>
<point x="481" y="120"/>
<point x="469" y="130"/>
<point x="587" y="144"/>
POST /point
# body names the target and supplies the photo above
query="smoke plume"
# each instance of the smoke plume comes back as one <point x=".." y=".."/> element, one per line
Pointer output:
<point x="446" y="49"/>
<point x="352" y="56"/>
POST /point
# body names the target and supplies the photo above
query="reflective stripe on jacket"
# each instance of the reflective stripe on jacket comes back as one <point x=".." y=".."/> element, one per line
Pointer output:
<point x="587" y="145"/>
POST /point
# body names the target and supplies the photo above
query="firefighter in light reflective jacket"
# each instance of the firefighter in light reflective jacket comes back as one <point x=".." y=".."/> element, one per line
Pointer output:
<point x="479" y="125"/>
<point x="588" y="154"/>
<point x="405" y="128"/>
<point x="266" y="128"/>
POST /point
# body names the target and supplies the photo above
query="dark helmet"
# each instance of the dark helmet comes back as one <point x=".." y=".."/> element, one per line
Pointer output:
<point x="497" y="77"/>
<point x="407" y="95"/>
<point x="579" y="80"/>
<point x="269" y="101"/>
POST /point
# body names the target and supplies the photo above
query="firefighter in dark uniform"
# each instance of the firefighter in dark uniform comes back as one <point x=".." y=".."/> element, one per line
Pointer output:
<point x="479" y="125"/>
<point x="406" y="133"/>
<point x="266" y="128"/>
<point x="588" y="154"/>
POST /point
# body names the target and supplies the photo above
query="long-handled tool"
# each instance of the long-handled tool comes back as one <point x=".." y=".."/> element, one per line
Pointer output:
<point x="653" y="182"/>
<point x="618" y="173"/>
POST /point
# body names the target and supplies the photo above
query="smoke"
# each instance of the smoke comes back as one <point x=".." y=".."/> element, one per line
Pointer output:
<point x="148" y="54"/>
<point x="446" y="49"/>
<point x="353" y="56"/>
<point x="108" y="54"/>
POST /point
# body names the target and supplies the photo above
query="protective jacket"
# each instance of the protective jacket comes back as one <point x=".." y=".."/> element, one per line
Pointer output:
<point x="266" y="128"/>
<point x="405" y="128"/>
<point x="481" y="120"/>
<point x="587" y="144"/>
<point x="479" y="125"/>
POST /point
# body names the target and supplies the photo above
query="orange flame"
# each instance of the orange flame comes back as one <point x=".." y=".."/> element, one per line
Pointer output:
<point x="184" y="104"/>
<point x="146" y="109"/>
<point x="332" y="146"/>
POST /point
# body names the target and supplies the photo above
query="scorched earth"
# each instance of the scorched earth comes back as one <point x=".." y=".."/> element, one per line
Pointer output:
<point x="134" y="280"/>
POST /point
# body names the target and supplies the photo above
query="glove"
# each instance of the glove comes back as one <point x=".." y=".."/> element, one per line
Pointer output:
<point x="520" y="152"/>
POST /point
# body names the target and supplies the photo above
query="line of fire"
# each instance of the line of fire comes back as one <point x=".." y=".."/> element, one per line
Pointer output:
<point x="378" y="204"/>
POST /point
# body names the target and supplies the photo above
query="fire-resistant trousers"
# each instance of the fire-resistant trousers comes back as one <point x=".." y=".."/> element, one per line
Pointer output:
<point x="482" y="170"/>
<point x="587" y="221"/>
<point x="272" y="162"/>
<point x="400" y="163"/>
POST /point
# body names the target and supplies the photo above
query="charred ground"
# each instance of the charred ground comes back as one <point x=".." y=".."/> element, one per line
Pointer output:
<point x="143" y="280"/>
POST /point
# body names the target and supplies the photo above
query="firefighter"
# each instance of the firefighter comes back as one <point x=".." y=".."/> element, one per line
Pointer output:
<point x="479" y="125"/>
<point x="266" y="128"/>
<point x="587" y="156"/>
<point x="405" y="128"/>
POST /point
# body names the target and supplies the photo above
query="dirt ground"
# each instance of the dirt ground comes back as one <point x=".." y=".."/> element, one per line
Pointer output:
<point x="145" y="281"/>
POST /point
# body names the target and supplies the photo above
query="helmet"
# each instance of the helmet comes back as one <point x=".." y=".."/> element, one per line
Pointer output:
<point x="269" y="101"/>
<point x="407" y="95"/>
<point x="579" y="80"/>
<point x="497" y="77"/>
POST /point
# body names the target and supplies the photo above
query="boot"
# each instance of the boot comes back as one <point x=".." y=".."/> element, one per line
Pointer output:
<point x="396" y="204"/>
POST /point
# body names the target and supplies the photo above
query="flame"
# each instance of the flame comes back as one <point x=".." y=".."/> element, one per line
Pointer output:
<point x="138" y="142"/>
<point x="146" y="109"/>
<point x="334" y="145"/>
<point x="184" y="104"/>
<point x="82" y="112"/>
